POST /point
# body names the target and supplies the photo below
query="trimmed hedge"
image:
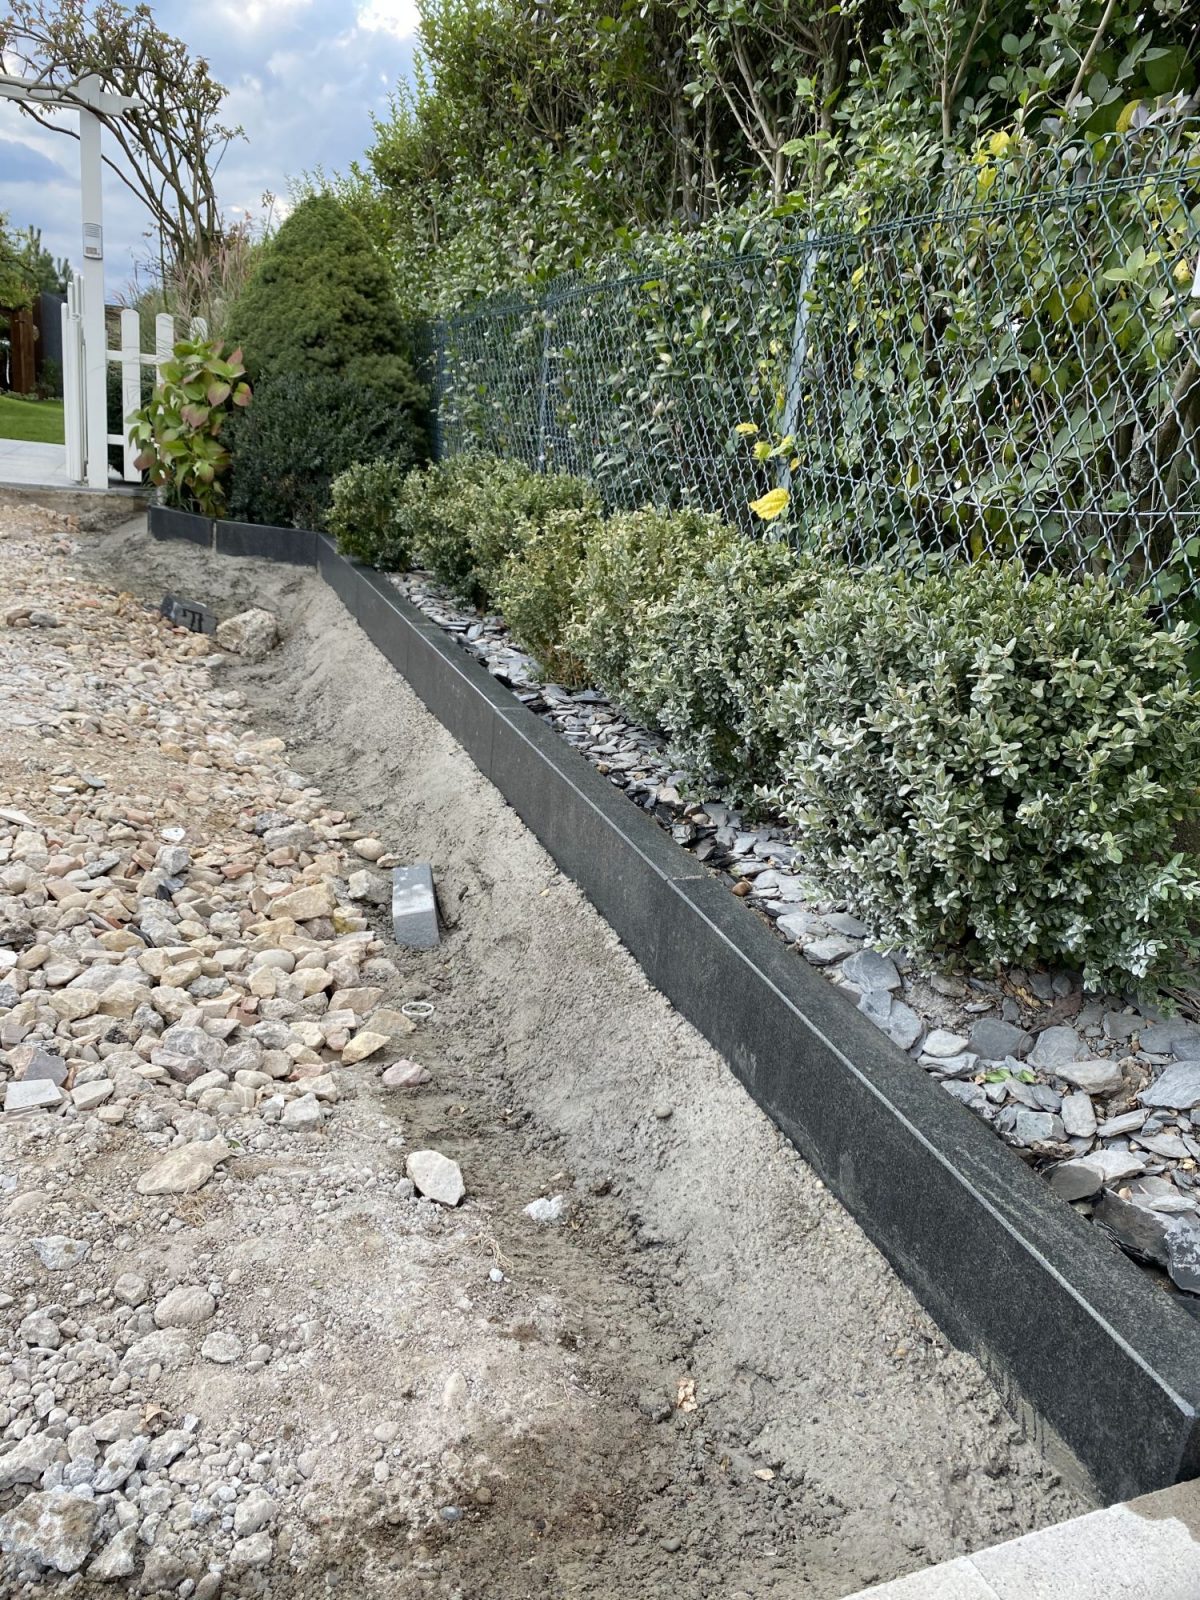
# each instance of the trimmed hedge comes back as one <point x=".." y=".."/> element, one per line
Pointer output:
<point x="713" y="654"/>
<point x="536" y="591"/>
<point x="636" y="560"/>
<point x="981" y="761"/>
<point x="365" y="514"/>
<point x="980" y="764"/>
<point x="438" y="516"/>
<point x="478" y="512"/>
<point x="302" y="431"/>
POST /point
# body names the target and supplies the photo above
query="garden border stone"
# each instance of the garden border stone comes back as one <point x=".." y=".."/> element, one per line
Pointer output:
<point x="167" y="523"/>
<point x="1101" y="1365"/>
<point x="296" y="546"/>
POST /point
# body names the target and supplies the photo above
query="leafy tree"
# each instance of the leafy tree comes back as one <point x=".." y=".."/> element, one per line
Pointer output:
<point x="16" y="284"/>
<point x="172" y="144"/>
<point x="542" y="139"/>
<point x="47" y="275"/>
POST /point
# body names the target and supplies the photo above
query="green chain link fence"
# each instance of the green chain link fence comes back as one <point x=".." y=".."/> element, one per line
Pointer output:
<point x="1009" y="365"/>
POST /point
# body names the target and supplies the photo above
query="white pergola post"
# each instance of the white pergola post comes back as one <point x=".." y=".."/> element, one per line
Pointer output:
<point x="88" y="97"/>
<point x="95" y="337"/>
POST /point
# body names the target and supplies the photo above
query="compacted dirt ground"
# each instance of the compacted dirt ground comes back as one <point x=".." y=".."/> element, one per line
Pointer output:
<point x="296" y="1373"/>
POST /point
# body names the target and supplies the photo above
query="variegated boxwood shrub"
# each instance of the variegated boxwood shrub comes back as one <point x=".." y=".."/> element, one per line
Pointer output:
<point x="469" y="514"/>
<point x="536" y="591"/>
<point x="713" y="654"/>
<point x="983" y="763"/>
<point x="636" y="560"/>
<point x="366" y="513"/>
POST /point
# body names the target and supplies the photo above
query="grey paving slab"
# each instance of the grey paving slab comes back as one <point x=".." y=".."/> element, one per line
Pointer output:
<point x="1147" y="1549"/>
<point x="36" y="466"/>
<point x="953" y="1580"/>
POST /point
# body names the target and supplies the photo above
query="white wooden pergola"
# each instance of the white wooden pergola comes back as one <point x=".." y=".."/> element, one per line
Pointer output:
<point x="88" y="97"/>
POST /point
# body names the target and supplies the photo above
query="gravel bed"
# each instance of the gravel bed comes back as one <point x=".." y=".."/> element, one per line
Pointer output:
<point x="332" y="1264"/>
<point x="1100" y="1095"/>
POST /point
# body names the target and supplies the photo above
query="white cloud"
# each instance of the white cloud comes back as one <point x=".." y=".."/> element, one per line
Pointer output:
<point x="400" y="18"/>
<point x="305" y="77"/>
<point x="251" y="15"/>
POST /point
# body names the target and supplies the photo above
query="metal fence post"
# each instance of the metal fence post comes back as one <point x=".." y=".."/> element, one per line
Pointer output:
<point x="543" y="392"/>
<point x="797" y="361"/>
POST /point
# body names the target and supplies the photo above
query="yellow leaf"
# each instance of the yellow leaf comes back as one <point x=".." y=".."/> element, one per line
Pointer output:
<point x="1127" y="114"/>
<point x="761" y="450"/>
<point x="746" y="429"/>
<point x="856" y="277"/>
<point x="987" y="178"/>
<point x="999" y="142"/>
<point x="770" y="505"/>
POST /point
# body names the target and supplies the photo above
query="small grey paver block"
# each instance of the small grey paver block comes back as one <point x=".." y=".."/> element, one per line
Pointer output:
<point x="414" y="907"/>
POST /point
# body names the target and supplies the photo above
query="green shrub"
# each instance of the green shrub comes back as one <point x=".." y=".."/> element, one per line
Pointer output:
<point x="179" y="434"/>
<point x="321" y="329"/>
<point x="509" y="503"/>
<point x="439" y="523"/>
<point x="320" y="301"/>
<point x="712" y="657"/>
<point x="636" y="559"/>
<point x="477" y="511"/>
<point x="978" y="759"/>
<point x="365" y="503"/>
<point x="536" y="591"/>
<point x="298" y="436"/>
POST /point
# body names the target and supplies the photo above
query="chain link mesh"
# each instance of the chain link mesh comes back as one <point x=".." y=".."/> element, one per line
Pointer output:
<point x="1009" y="367"/>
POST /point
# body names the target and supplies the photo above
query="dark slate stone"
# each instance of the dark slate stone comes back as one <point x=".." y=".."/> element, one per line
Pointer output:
<point x="1136" y="1228"/>
<point x="1174" y="1038"/>
<point x="44" y="1064"/>
<point x="868" y="969"/>
<point x="993" y="1040"/>
<point x="1177" y="1088"/>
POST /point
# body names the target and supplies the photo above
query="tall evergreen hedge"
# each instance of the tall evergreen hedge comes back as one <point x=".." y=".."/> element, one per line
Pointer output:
<point x="326" y="350"/>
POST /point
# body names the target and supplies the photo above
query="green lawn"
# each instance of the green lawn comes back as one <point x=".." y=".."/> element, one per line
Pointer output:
<point x="39" y="420"/>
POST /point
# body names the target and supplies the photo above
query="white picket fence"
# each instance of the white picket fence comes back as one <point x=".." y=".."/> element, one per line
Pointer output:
<point x="130" y="357"/>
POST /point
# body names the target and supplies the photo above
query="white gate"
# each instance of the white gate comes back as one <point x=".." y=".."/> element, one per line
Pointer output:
<point x="83" y="435"/>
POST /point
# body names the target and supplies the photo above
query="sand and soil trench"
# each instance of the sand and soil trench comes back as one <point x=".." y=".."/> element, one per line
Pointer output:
<point x="528" y="1430"/>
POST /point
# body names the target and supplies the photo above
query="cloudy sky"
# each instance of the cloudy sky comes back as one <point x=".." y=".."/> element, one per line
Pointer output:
<point x="304" y="77"/>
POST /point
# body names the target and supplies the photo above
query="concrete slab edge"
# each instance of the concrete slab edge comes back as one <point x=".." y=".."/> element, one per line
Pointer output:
<point x="1148" y="1549"/>
<point x="1076" y="1338"/>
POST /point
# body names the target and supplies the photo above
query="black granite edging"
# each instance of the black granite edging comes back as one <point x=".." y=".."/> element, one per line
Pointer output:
<point x="165" y="522"/>
<point x="1081" y="1342"/>
<point x="295" y="546"/>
